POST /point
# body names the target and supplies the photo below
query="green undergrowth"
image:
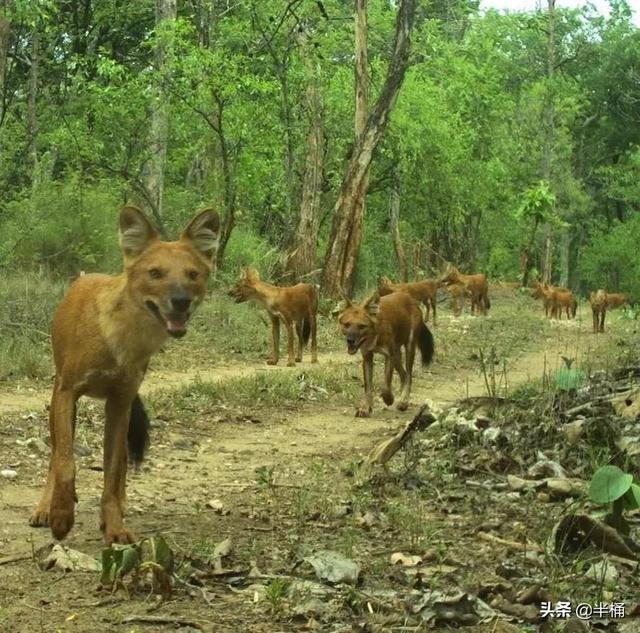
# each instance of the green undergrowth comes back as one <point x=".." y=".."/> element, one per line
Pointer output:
<point x="27" y="304"/>
<point x="282" y="389"/>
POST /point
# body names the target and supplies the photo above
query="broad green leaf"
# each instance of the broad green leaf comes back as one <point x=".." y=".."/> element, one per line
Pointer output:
<point x="631" y="498"/>
<point x="608" y="484"/>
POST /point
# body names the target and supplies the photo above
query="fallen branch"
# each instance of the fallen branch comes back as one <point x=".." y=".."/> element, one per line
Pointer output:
<point x="15" y="559"/>
<point x="521" y="547"/>
<point x="383" y="452"/>
<point x="161" y="619"/>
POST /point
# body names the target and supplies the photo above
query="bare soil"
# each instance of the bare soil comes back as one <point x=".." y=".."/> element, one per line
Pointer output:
<point x="201" y="458"/>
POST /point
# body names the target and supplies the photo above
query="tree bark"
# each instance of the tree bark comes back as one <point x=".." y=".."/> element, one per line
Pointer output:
<point x="394" y="217"/>
<point x="344" y="243"/>
<point x="159" y="130"/>
<point x="5" y="34"/>
<point x="549" y="136"/>
<point x="32" y="103"/>
<point x="302" y="257"/>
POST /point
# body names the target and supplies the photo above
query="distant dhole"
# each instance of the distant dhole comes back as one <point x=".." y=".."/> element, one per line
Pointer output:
<point x="598" y="301"/>
<point x="385" y="325"/>
<point x="476" y="287"/>
<point x="105" y="330"/>
<point x="294" y="305"/>
<point x="424" y="291"/>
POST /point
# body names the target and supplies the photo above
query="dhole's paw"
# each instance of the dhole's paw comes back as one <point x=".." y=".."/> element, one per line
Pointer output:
<point x="119" y="535"/>
<point x="314" y="360"/>
<point x="403" y="405"/>
<point x="272" y="361"/>
<point x="61" y="521"/>
<point x="387" y="397"/>
<point x="39" y="517"/>
<point x="298" y="359"/>
<point x="363" y="413"/>
<point x="291" y="363"/>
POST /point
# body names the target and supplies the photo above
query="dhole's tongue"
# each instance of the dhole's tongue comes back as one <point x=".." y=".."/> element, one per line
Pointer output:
<point x="177" y="325"/>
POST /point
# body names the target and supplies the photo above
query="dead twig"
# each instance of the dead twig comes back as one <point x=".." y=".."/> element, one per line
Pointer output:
<point x="162" y="619"/>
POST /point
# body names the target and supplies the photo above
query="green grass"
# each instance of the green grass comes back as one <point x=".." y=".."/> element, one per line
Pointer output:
<point x="27" y="304"/>
<point x="286" y="388"/>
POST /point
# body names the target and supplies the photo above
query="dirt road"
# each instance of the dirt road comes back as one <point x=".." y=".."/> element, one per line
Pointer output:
<point x="191" y="464"/>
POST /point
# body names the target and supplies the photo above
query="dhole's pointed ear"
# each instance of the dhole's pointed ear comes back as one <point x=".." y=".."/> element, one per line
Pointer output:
<point x="135" y="232"/>
<point x="203" y="232"/>
<point x="251" y="274"/>
<point x="372" y="304"/>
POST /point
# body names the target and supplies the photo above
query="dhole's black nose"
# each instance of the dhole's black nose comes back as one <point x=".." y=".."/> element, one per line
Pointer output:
<point x="180" y="304"/>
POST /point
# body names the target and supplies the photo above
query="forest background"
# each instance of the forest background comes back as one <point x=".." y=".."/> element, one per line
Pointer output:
<point x="506" y="143"/>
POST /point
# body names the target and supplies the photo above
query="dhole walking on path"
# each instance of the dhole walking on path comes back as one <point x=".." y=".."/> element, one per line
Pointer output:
<point x="555" y="300"/>
<point x="476" y="286"/>
<point x="294" y="305"/>
<point x="385" y="325"/>
<point x="104" y="332"/>
<point x="424" y="291"/>
<point x="598" y="301"/>
<point x="616" y="299"/>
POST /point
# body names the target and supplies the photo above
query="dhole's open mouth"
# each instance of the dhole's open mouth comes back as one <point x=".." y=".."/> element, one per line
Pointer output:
<point x="353" y="346"/>
<point x="174" y="322"/>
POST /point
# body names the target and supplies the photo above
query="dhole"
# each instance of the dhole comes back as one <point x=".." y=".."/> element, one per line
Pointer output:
<point x="104" y="332"/>
<point x="476" y="287"/>
<point x="598" y="301"/>
<point x="424" y="291"/>
<point x="457" y="294"/>
<point x="555" y="300"/>
<point x="616" y="299"/>
<point x="385" y="325"/>
<point x="295" y="305"/>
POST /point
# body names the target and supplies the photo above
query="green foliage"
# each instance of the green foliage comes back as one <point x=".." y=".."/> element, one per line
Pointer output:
<point x="608" y="484"/>
<point x="466" y="140"/>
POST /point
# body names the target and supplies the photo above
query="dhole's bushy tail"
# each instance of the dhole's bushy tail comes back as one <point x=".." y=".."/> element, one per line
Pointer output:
<point x="138" y="435"/>
<point x="425" y="341"/>
<point x="306" y="329"/>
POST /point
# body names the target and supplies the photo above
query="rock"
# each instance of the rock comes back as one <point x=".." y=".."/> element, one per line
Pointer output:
<point x="312" y="608"/>
<point x="561" y="488"/>
<point x="65" y="559"/>
<point x="493" y="435"/>
<point x="301" y="590"/>
<point x="217" y="506"/>
<point x="517" y="484"/>
<point x="546" y="467"/>
<point x="603" y="572"/>
<point x="573" y="431"/>
<point x="37" y="445"/>
<point x="334" y="567"/>
<point x="8" y="473"/>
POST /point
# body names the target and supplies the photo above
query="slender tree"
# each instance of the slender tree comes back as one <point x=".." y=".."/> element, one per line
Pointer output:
<point x="159" y="130"/>
<point x="344" y="243"/>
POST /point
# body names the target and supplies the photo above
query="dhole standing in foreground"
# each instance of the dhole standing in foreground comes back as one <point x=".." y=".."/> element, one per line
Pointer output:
<point x="295" y="305"/>
<point x="104" y="333"/>
<point x="384" y="325"/>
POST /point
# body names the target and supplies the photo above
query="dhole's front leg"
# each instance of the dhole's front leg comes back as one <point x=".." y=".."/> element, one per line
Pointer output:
<point x="313" y="323"/>
<point x="387" y="394"/>
<point x="300" y="336"/>
<point x="56" y="506"/>
<point x="291" y="362"/>
<point x="117" y="412"/>
<point x="406" y="374"/>
<point x="275" y="340"/>
<point x="367" y="374"/>
<point x="433" y="308"/>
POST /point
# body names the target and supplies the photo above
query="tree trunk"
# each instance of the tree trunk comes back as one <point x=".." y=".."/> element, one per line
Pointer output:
<point x="549" y="136"/>
<point x="565" y="246"/>
<point x="228" y="178"/>
<point x="394" y="217"/>
<point x="32" y="103"/>
<point x="302" y="258"/>
<point x="344" y="243"/>
<point x="159" y="130"/>
<point x="5" y="33"/>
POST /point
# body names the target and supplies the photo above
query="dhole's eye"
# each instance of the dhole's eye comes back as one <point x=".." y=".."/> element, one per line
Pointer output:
<point x="192" y="274"/>
<point x="155" y="273"/>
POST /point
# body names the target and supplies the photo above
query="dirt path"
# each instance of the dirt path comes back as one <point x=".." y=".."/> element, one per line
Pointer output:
<point x="191" y="464"/>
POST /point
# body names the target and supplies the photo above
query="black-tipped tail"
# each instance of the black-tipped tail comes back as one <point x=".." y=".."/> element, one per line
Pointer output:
<point x="306" y="329"/>
<point x="425" y="341"/>
<point x="487" y="301"/>
<point x="138" y="436"/>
